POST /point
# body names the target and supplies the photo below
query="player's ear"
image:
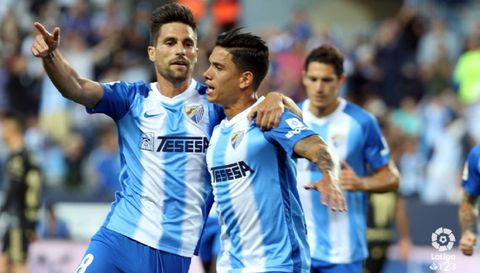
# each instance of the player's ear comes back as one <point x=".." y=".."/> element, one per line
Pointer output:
<point x="151" y="53"/>
<point x="246" y="79"/>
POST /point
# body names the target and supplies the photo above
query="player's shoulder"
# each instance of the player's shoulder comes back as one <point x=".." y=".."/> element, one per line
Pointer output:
<point x="359" y="114"/>
<point x="139" y="87"/>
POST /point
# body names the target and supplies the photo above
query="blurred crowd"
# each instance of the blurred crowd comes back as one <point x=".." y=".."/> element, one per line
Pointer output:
<point x="418" y="72"/>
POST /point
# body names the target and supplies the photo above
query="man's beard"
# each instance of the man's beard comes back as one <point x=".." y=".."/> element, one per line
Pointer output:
<point x="175" y="77"/>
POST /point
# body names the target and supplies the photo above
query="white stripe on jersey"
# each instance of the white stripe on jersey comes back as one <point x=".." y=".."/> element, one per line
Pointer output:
<point x="164" y="192"/>
<point x="246" y="203"/>
<point x="340" y="247"/>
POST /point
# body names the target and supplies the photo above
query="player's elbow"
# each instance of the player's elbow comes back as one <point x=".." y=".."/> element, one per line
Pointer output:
<point x="395" y="182"/>
<point x="393" y="178"/>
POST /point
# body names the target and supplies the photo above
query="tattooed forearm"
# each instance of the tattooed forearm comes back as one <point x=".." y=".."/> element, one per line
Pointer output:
<point x="324" y="160"/>
<point x="467" y="213"/>
<point x="317" y="151"/>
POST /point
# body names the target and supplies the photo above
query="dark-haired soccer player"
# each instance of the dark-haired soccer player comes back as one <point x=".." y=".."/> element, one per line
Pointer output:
<point x="338" y="241"/>
<point x="164" y="128"/>
<point x="253" y="171"/>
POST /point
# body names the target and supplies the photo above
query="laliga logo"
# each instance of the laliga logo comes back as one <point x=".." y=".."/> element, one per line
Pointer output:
<point x="443" y="239"/>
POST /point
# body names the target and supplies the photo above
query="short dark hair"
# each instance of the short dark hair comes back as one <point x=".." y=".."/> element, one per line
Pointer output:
<point x="326" y="54"/>
<point x="249" y="52"/>
<point x="169" y="13"/>
<point x="17" y="118"/>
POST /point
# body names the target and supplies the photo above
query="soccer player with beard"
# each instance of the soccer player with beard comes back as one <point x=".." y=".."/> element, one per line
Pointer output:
<point x="164" y="128"/>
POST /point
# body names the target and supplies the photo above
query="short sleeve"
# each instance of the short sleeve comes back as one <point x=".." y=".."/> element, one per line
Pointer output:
<point x="376" y="150"/>
<point x="290" y="130"/>
<point x="117" y="98"/>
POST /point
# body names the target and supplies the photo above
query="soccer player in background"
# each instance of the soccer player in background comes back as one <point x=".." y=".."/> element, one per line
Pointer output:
<point x="253" y="171"/>
<point x="164" y="128"/>
<point x="338" y="240"/>
<point x="23" y="197"/>
<point x="468" y="211"/>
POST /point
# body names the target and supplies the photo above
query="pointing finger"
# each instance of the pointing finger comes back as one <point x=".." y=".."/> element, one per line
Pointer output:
<point x="41" y="29"/>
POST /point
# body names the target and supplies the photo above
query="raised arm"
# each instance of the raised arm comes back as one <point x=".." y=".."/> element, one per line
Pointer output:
<point x="317" y="151"/>
<point x="71" y="85"/>
<point x="385" y="179"/>
<point x="468" y="219"/>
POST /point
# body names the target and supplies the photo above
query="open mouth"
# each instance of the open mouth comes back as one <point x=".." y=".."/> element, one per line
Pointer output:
<point x="180" y="62"/>
<point x="210" y="88"/>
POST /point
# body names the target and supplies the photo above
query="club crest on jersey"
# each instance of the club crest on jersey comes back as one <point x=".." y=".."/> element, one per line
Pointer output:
<point x="194" y="112"/>
<point x="147" y="142"/>
<point x="336" y="140"/>
<point x="236" y="138"/>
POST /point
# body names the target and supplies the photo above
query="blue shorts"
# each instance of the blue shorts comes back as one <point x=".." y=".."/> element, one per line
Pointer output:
<point x="210" y="240"/>
<point x="113" y="252"/>
<point x="325" y="267"/>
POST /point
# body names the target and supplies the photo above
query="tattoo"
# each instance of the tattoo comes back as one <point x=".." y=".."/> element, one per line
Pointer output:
<point x="467" y="213"/>
<point x="317" y="151"/>
<point x="325" y="161"/>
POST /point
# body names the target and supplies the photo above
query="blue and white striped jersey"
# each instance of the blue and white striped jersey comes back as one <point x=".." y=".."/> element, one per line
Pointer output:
<point x="254" y="186"/>
<point x="471" y="172"/>
<point x="354" y="134"/>
<point x="164" y="178"/>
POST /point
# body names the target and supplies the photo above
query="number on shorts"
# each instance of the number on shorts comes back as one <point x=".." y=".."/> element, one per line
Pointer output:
<point x="87" y="260"/>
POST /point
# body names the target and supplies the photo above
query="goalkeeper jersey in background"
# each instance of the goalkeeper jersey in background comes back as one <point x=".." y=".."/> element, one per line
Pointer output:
<point x="164" y="180"/>
<point x="355" y="136"/>
<point x="253" y="179"/>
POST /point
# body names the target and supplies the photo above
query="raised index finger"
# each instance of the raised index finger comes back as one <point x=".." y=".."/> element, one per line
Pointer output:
<point x="41" y="29"/>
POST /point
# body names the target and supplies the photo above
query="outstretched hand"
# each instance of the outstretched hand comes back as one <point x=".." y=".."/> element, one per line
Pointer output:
<point x="330" y="192"/>
<point x="45" y="42"/>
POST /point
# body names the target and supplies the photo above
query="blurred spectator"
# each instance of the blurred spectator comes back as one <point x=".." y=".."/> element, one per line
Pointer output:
<point x="389" y="57"/>
<point x="196" y="6"/>
<point x="52" y="162"/>
<point x="52" y="227"/>
<point x="104" y="164"/>
<point x="411" y="164"/>
<point x="362" y="82"/>
<point x="109" y="21"/>
<point x="438" y="41"/>
<point x="436" y="113"/>
<point x="74" y="149"/>
<point x="77" y="20"/>
<point x="467" y="72"/>
<point x="407" y="117"/>
<point x="23" y="90"/>
<point x="226" y="13"/>
<point x="442" y="170"/>
<point x="23" y="196"/>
